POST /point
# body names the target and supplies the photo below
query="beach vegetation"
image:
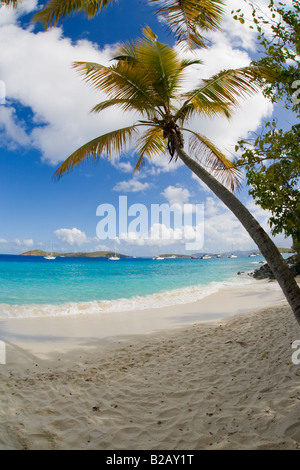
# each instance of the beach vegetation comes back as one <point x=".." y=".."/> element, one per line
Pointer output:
<point x="271" y="159"/>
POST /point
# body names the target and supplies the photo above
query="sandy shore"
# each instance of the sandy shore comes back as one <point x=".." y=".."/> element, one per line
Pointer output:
<point x="179" y="383"/>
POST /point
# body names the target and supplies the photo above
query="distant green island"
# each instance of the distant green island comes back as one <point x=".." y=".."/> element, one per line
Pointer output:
<point x="168" y="255"/>
<point x="286" y="250"/>
<point x="93" y="254"/>
<point x="107" y="254"/>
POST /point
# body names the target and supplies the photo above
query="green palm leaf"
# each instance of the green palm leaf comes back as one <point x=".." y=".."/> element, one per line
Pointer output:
<point x="121" y="80"/>
<point x="161" y="64"/>
<point x="188" y="18"/>
<point x="56" y="10"/>
<point x="158" y="63"/>
<point x="224" y="89"/>
<point x="125" y="104"/>
<point x="12" y="3"/>
<point x="209" y="156"/>
<point x="149" y="144"/>
<point x="114" y="142"/>
<point x="207" y="108"/>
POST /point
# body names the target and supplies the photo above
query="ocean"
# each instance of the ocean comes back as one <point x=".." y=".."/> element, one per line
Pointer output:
<point x="32" y="286"/>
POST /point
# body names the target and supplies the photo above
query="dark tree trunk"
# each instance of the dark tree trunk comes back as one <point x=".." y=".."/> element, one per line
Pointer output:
<point x="268" y="249"/>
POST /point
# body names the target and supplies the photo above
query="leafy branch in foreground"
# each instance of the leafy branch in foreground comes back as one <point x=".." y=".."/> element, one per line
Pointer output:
<point x="272" y="165"/>
<point x="272" y="160"/>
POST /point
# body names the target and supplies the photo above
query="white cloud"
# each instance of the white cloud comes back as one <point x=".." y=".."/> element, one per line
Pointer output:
<point x="61" y="101"/>
<point x="28" y="243"/>
<point x="176" y="195"/>
<point x="101" y="248"/>
<point x="46" y="83"/>
<point x="224" y="232"/>
<point x="159" y="235"/>
<point x="12" y="131"/>
<point x="131" y="186"/>
<point x="261" y="215"/>
<point x="72" y="236"/>
<point x="125" y="167"/>
<point x="2" y="240"/>
<point x="250" y="112"/>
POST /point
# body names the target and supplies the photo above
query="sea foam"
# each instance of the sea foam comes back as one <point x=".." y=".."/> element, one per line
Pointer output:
<point x="156" y="300"/>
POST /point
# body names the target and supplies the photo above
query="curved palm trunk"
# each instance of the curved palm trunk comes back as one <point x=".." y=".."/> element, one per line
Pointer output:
<point x="268" y="249"/>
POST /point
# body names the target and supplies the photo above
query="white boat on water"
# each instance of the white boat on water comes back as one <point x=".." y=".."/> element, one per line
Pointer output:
<point x="51" y="255"/>
<point x="113" y="258"/>
<point x="205" y="257"/>
<point x="232" y="256"/>
<point x="158" y="257"/>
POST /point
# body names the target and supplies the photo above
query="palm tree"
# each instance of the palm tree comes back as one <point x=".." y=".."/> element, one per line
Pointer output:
<point x="187" y="19"/>
<point x="147" y="77"/>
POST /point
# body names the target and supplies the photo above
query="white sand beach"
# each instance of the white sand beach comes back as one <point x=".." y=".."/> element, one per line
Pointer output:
<point x="213" y="374"/>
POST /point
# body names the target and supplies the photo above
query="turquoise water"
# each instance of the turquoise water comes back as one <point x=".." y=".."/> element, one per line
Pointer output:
<point x="31" y="286"/>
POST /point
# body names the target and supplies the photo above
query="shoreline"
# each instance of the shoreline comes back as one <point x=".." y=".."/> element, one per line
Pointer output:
<point x="44" y="335"/>
<point x="226" y="383"/>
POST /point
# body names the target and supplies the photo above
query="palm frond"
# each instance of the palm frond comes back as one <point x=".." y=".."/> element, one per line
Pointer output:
<point x="55" y="11"/>
<point x="225" y="88"/>
<point x="164" y="67"/>
<point x="188" y="18"/>
<point x="126" y="53"/>
<point x="125" y="104"/>
<point x="107" y="104"/>
<point x="120" y="80"/>
<point x="107" y="144"/>
<point x="158" y="63"/>
<point x="11" y="3"/>
<point x="149" y="144"/>
<point x="187" y="62"/>
<point x="208" y="155"/>
<point x="206" y="107"/>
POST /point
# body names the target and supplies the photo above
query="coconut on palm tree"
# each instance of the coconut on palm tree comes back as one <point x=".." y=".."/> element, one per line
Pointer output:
<point x="147" y="77"/>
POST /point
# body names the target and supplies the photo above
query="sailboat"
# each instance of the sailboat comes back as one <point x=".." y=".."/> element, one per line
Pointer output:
<point x="231" y="254"/>
<point x="113" y="258"/>
<point x="51" y="255"/>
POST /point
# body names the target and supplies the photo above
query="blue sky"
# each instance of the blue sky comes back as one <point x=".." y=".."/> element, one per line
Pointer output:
<point x="46" y="117"/>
